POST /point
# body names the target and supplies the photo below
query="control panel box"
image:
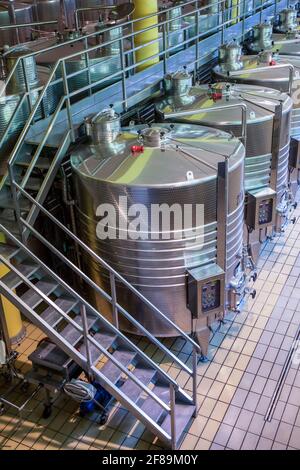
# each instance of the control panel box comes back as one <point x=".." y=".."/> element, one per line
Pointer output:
<point x="294" y="157"/>
<point x="261" y="208"/>
<point x="206" y="290"/>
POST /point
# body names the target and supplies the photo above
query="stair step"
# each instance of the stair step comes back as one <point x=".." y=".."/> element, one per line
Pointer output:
<point x="55" y="138"/>
<point x="7" y="202"/>
<point x="184" y="414"/>
<point x="8" y="251"/>
<point x="33" y="299"/>
<point x="111" y="371"/>
<point x="12" y="280"/>
<point x="51" y="356"/>
<point x="145" y="375"/>
<point x="9" y="215"/>
<point x="151" y="407"/>
<point x="71" y="334"/>
<point x="43" y="163"/>
<point x="11" y="226"/>
<point x="33" y="184"/>
<point x="52" y="317"/>
<point x="105" y="339"/>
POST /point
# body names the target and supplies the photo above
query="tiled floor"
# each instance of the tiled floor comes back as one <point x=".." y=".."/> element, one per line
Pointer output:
<point x="235" y="388"/>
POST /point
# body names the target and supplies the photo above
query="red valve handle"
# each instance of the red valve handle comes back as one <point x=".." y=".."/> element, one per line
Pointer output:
<point x="137" y="149"/>
<point x="216" y="96"/>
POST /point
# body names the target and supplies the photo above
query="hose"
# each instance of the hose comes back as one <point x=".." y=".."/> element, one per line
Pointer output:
<point x="80" y="391"/>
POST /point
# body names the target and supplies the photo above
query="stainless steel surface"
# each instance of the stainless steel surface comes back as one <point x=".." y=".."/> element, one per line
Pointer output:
<point x="230" y="57"/>
<point x="63" y="11"/>
<point x="262" y="37"/>
<point x="25" y="73"/>
<point x="105" y="171"/>
<point x="287" y="20"/>
<point x="174" y="30"/>
<point x="22" y="14"/>
<point x="261" y="105"/>
<point x="91" y="11"/>
<point x="14" y="109"/>
<point x="285" y="44"/>
<point x="100" y="63"/>
<point x="256" y="72"/>
<point x="210" y="16"/>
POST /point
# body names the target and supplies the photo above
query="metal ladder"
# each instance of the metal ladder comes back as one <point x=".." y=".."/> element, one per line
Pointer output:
<point x="81" y="335"/>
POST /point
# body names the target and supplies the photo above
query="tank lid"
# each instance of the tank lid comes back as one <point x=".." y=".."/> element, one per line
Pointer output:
<point x="292" y="34"/>
<point x="232" y="45"/>
<point x="265" y="57"/>
<point x="261" y="103"/>
<point x="189" y="154"/>
<point x="153" y="137"/>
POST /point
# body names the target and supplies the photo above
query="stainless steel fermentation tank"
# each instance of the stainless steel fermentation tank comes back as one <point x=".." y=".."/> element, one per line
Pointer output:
<point x="268" y="70"/>
<point x="268" y="120"/>
<point x="155" y="166"/>
<point x="47" y="10"/>
<point x="93" y="16"/>
<point x="37" y="77"/>
<point x="14" y="13"/>
<point x="104" y="63"/>
<point x="209" y="18"/>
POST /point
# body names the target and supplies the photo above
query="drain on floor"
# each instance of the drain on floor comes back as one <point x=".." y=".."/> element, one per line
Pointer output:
<point x="293" y="353"/>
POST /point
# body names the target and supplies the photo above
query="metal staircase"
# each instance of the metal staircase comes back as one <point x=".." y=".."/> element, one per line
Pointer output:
<point x="82" y="337"/>
<point x="36" y="175"/>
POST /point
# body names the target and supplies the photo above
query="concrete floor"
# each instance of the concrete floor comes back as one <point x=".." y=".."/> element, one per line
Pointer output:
<point x="235" y="388"/>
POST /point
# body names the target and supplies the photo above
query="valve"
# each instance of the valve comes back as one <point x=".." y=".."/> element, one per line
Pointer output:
<point x="137" y="149"/>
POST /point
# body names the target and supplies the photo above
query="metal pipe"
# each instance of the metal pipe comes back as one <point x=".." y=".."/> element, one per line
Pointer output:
<point x="13" y="18"/>
<point x="173" y="417"/>
<point x="113" y="293"/>
<point x="81" y="330"/>
<point x="26" y="25"/>
<point x="33" y="287"/>
<point x="86" y="335"/>
<point x="195" y="389"/>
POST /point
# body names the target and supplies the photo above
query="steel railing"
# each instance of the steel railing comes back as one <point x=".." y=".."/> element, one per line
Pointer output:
<point x="162" y="25"/>
<point x="60" y="68"/>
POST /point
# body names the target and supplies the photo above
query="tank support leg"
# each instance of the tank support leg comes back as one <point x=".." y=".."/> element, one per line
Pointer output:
<point x="48" y="405"/>
<point x="202" y="338"/>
